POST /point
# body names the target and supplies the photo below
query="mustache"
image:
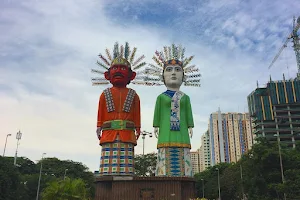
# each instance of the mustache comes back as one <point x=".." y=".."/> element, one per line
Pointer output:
<point x="118" y="74"/>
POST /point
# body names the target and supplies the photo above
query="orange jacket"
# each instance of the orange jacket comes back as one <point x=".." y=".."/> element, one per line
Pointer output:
<point x="119" y="96"/>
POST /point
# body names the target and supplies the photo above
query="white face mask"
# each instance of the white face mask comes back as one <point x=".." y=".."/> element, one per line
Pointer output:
<point x="173" y="77"/>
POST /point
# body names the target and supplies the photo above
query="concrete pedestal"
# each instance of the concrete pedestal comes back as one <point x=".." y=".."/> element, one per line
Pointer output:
<point x="144" y="188"/>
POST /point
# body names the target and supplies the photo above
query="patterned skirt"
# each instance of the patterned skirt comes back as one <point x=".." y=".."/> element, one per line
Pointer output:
<point x="174" y="161"/>
<point x="117" y="158"/>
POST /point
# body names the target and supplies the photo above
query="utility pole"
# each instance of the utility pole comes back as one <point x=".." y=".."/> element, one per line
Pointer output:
<point x="144" y="133"/>
<point x="38" y="188"/>
<point x="219" y="187"/>
<point x="65" y="173"/>
<point x="18" y="137"/>
<point x="5" y="144"/>
<point x="280" y="161"/>
<point x="241" y="170"/>
<point x="202" y="187"/>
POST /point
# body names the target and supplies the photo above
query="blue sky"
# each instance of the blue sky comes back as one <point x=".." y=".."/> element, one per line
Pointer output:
<point x="47" y="49"/>
<point x="250" y="24"/>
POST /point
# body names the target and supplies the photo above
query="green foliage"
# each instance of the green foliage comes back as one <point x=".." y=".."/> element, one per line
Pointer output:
<point x="144" y="165"/>
<point x="20" y="182"/>
<point x="9" y="179"/>
<point x="68" y="189"/>
<point x="261" y="175"/>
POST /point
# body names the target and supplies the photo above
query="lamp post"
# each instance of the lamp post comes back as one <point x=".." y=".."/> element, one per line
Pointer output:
<point x="219" y="183"/>
<point x="202" y="187"/>
<point x="280" y="162"/>
<point x="144" y="133"/>
<point x="65" y="173"/>
<point x="241" y="170"/>
<point x="38" y="188"/>
<point x="18" y="137"/>
<point x="5" y="144"/>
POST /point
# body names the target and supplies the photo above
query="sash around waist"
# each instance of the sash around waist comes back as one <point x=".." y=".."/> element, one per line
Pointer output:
<point x="118" y="125"/>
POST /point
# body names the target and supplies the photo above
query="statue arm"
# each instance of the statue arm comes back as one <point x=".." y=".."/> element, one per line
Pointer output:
<point x="190" y="120"/>
<point x="156" y="118"/>
<point x="137" y="116"/>
<point x="100" y="118"/>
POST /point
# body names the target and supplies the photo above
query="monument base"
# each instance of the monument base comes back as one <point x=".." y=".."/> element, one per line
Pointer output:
<point x="144" y="188"/>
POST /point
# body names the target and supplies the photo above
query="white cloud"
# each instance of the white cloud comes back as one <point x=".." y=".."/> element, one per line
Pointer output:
<point x="47" y="52"/>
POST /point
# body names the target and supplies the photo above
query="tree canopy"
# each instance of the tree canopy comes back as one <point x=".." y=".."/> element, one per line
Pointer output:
<point x="144" y="165"/>
<point x="71" y="189"/>
<point x="257" y="174"/>
<point x="20" y="182"/>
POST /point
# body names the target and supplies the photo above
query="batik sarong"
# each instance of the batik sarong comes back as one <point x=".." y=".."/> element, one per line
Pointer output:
<point x="117" y="158"/>
<point x="174" y="161"/>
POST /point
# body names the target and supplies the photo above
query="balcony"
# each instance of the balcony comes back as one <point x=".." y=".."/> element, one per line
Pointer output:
<point x="287" y="116"/>
<point x="292" y="109"/>
<point x="265" y="124"/>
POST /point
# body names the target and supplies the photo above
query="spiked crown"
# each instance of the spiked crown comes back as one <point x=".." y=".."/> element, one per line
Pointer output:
<point x="121" y="55"/>
<point x="172" y="55"/>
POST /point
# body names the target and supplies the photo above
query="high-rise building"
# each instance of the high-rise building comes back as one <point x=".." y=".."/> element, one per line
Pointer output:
<point x="204" y="152"/>
<point x="230" y="136"/>
<point x="195" y="161"/>
<point x="275" y="110"/>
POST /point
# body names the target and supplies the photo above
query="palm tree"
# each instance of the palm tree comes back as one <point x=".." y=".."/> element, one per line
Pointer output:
<point x="68" y="189"/>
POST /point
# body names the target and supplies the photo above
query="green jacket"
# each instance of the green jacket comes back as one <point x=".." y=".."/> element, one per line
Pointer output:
<point x="166" y="137"/>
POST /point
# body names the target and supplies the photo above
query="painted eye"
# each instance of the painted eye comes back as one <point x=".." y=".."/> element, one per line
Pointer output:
<point x="168" y="69"/>
<point x="123" y="68"/>
<point x="178" y="69"/>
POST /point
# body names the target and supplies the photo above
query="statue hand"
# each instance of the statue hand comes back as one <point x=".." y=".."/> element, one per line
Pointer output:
<point x="137" y="133"/>
<point x="99" y="131"/>
<point x="156" y="129"/>
<point x="191" y="132"/>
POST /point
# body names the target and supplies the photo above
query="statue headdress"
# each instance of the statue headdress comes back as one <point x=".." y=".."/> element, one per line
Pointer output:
<point x="172" y="55"/>
<point x="121" y="55"/>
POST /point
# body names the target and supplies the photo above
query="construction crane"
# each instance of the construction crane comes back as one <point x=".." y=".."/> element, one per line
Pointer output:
<point x="293" y="35"/>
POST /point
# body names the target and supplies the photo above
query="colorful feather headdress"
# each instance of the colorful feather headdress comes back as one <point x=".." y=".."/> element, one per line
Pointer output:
<point x="121" y="55"/>
<point x="172" y="55"/>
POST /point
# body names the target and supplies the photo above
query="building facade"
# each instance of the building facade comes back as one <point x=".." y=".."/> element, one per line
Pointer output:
<point x="195" y="158"/>
<point x="275" y="110"/>
<point x="230" y="136"/>
<point x="204" y="152"/>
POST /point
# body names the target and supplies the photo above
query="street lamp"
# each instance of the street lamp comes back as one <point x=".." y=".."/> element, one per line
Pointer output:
<point x="280" y="161"/>
<point x="219" y="183"/>
<point x="202" y="187"/>
<point x="38" y="189"/>
<point x="18" y="137"/>
<point x="241" y="170"/>
<point x="65" y="173"/>
<point x="5" y="144"/>
<point x="144" y="133"/>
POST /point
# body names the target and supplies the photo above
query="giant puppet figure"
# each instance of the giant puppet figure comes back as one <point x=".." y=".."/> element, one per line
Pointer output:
<point x="173" y="119"/>
<point x="119" y="122"/>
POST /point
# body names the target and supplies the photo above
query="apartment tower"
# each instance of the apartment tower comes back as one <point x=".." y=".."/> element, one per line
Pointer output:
<point x="275" y="111"/>
<point x="230" y="136"/>
<point x="204" y="152"/>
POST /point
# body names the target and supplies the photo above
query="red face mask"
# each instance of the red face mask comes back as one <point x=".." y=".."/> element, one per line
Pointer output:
<point x="119" y="75"/>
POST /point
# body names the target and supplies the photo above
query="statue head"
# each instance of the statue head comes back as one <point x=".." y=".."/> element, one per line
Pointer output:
<point x="120" y="66"/>
<point x="120" y="73"/>
<point x="173" y="74"/>
<point x="173" y="68"/>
